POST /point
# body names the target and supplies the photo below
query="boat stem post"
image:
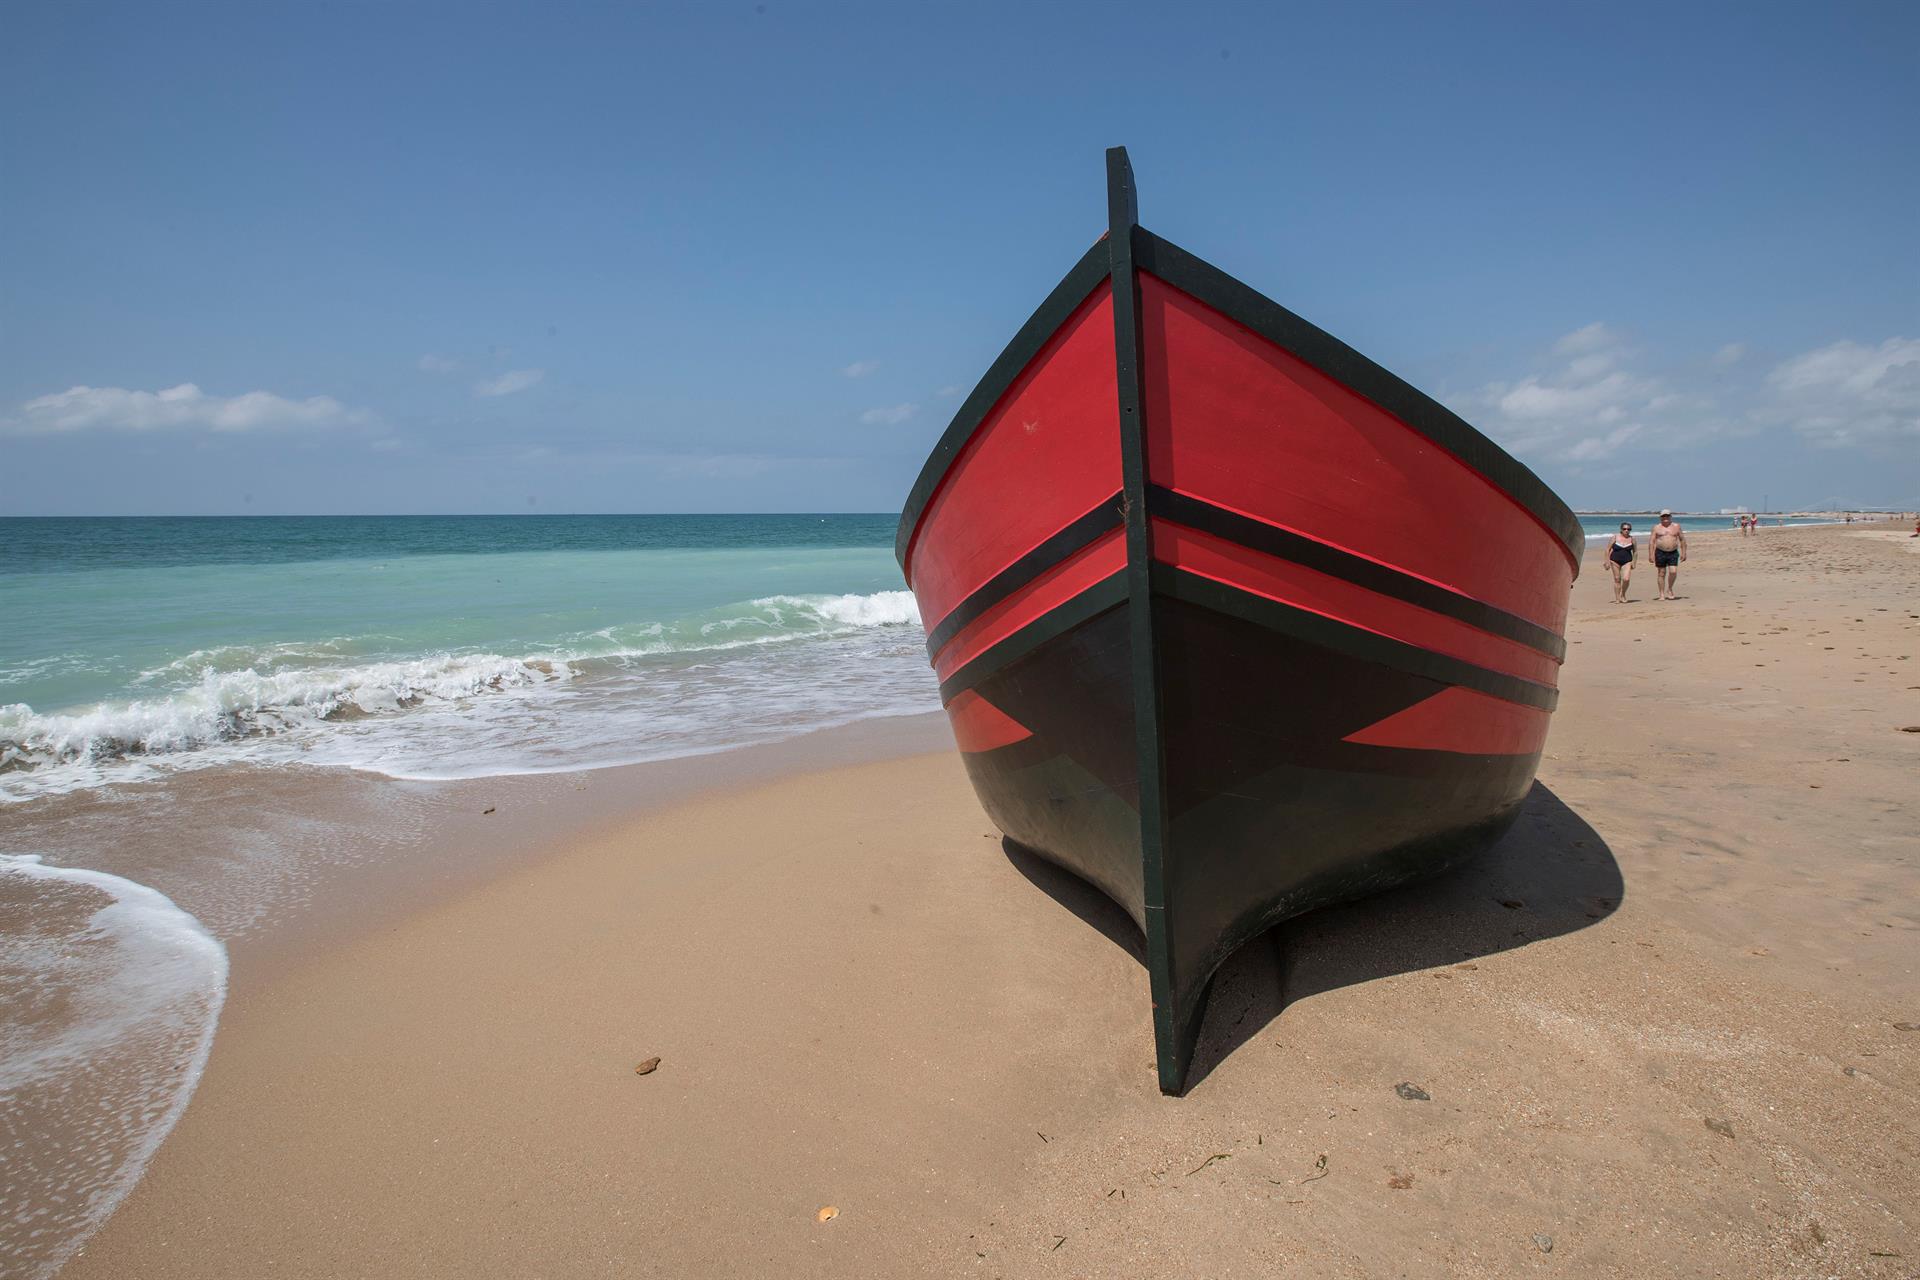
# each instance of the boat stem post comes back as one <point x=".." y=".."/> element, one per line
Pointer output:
<point x="1170" y="1031"/>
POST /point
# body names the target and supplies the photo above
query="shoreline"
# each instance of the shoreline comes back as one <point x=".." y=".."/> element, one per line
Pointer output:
<point x="856" y="1007"/>
<point x="1804" y="523"/>
<point x="359" y="850"/>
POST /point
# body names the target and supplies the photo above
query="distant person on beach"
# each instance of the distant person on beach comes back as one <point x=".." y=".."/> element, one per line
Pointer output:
<point x="1621" y="554"/>
<point x="1669" y="549"/>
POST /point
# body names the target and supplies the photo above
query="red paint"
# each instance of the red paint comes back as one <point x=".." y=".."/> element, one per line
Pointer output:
<point x="1331" y="597"/>
<point x="1462" y="720"/>
<point x="1092" y="564"/>
<point x="1237" y="421"/>
<point x="978" y="725"/>
<point x="1042" y="457"/>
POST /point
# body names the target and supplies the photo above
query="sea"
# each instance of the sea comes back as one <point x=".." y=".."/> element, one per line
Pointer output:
<point x="1604" y="524"/>
<point x="439" y="647"/>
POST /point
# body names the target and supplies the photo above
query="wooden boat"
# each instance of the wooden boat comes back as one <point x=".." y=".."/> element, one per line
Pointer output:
<point x="1229" y="621"/>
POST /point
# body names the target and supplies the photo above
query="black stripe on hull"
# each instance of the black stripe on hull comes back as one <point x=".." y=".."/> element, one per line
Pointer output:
<point x="1055" y="551"/>
<point x="1355" y="641"/>
<point x="1252" y="310"/>
<point x="1065" y="299"/>
<point x="1259" y="536"/>
<point x="1272" y="615"/>
<point x="1255" y="535"/>
<point x="1103" y="595"/>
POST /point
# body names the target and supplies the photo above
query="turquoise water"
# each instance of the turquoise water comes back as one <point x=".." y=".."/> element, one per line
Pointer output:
<point x="439" y="646"/>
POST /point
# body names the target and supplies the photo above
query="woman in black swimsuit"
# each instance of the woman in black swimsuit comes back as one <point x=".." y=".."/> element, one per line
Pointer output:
<point x="1621" y="554"/>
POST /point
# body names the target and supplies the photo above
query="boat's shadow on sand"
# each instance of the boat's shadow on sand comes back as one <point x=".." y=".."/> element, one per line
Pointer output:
<point x="1550" y="875"/>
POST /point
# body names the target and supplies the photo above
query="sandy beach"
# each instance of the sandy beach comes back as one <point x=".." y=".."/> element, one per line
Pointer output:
<point x="1669" y="1027"/>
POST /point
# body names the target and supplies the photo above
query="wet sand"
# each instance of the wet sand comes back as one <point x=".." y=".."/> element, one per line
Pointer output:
<point x="1670" y="1026"/>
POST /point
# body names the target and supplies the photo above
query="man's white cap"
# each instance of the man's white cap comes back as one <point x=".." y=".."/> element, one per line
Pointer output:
<point x="1665" y="512"/>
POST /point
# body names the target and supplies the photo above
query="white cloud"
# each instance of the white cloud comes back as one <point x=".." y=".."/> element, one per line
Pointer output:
<point x="889" y="415"/>
<point x="431" y="363"/>
<point x="1588" y="405"/>
<point x="1569" y="396"/>
<point x="1583" y="368"/>
<point x="1849" y="393"/>
<point x="184" y="407"/>
<point x="860" y="368"/>
<point x="947" y="393"/>
<point x="1593" y="337"/>
<point x="1593" y="448"/>
<point x="387" y="444"/>
<point x="1596" y="397"/>
<point x="509" y="382"/>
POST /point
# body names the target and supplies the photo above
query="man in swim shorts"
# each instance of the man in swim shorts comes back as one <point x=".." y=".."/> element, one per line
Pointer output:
<point x="1669" y="549"/>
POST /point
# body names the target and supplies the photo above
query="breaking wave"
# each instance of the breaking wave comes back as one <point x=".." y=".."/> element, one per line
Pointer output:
<point x="232" y="694"/>
<point x="225" y="705"/>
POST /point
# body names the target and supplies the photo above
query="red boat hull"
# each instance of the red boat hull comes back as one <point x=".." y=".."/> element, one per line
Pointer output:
<point x="1230" y="621"/>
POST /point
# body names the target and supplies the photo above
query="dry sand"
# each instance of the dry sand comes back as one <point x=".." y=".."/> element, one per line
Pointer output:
<point x="1668" y="1027"/>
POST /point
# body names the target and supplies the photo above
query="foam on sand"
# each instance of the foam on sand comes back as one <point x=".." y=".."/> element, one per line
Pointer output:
<point x="109" y="995"/>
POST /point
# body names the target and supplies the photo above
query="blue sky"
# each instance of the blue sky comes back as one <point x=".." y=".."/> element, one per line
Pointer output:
<point x="406" y="257"/>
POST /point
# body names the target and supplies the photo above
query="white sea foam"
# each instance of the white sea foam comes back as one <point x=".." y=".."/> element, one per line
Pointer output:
<point x="232" y="704"/>
<point x="754" y="682"/>
<point x="881" y="609"/>
<point x="110" y="995"/>
<point x="281" y="702"/>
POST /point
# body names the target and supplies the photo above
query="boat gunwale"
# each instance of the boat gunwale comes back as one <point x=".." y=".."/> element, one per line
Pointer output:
<point x="1252" y="310"/>
<point x="1413" y="408"/>
<point x="1086" y="275"/>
